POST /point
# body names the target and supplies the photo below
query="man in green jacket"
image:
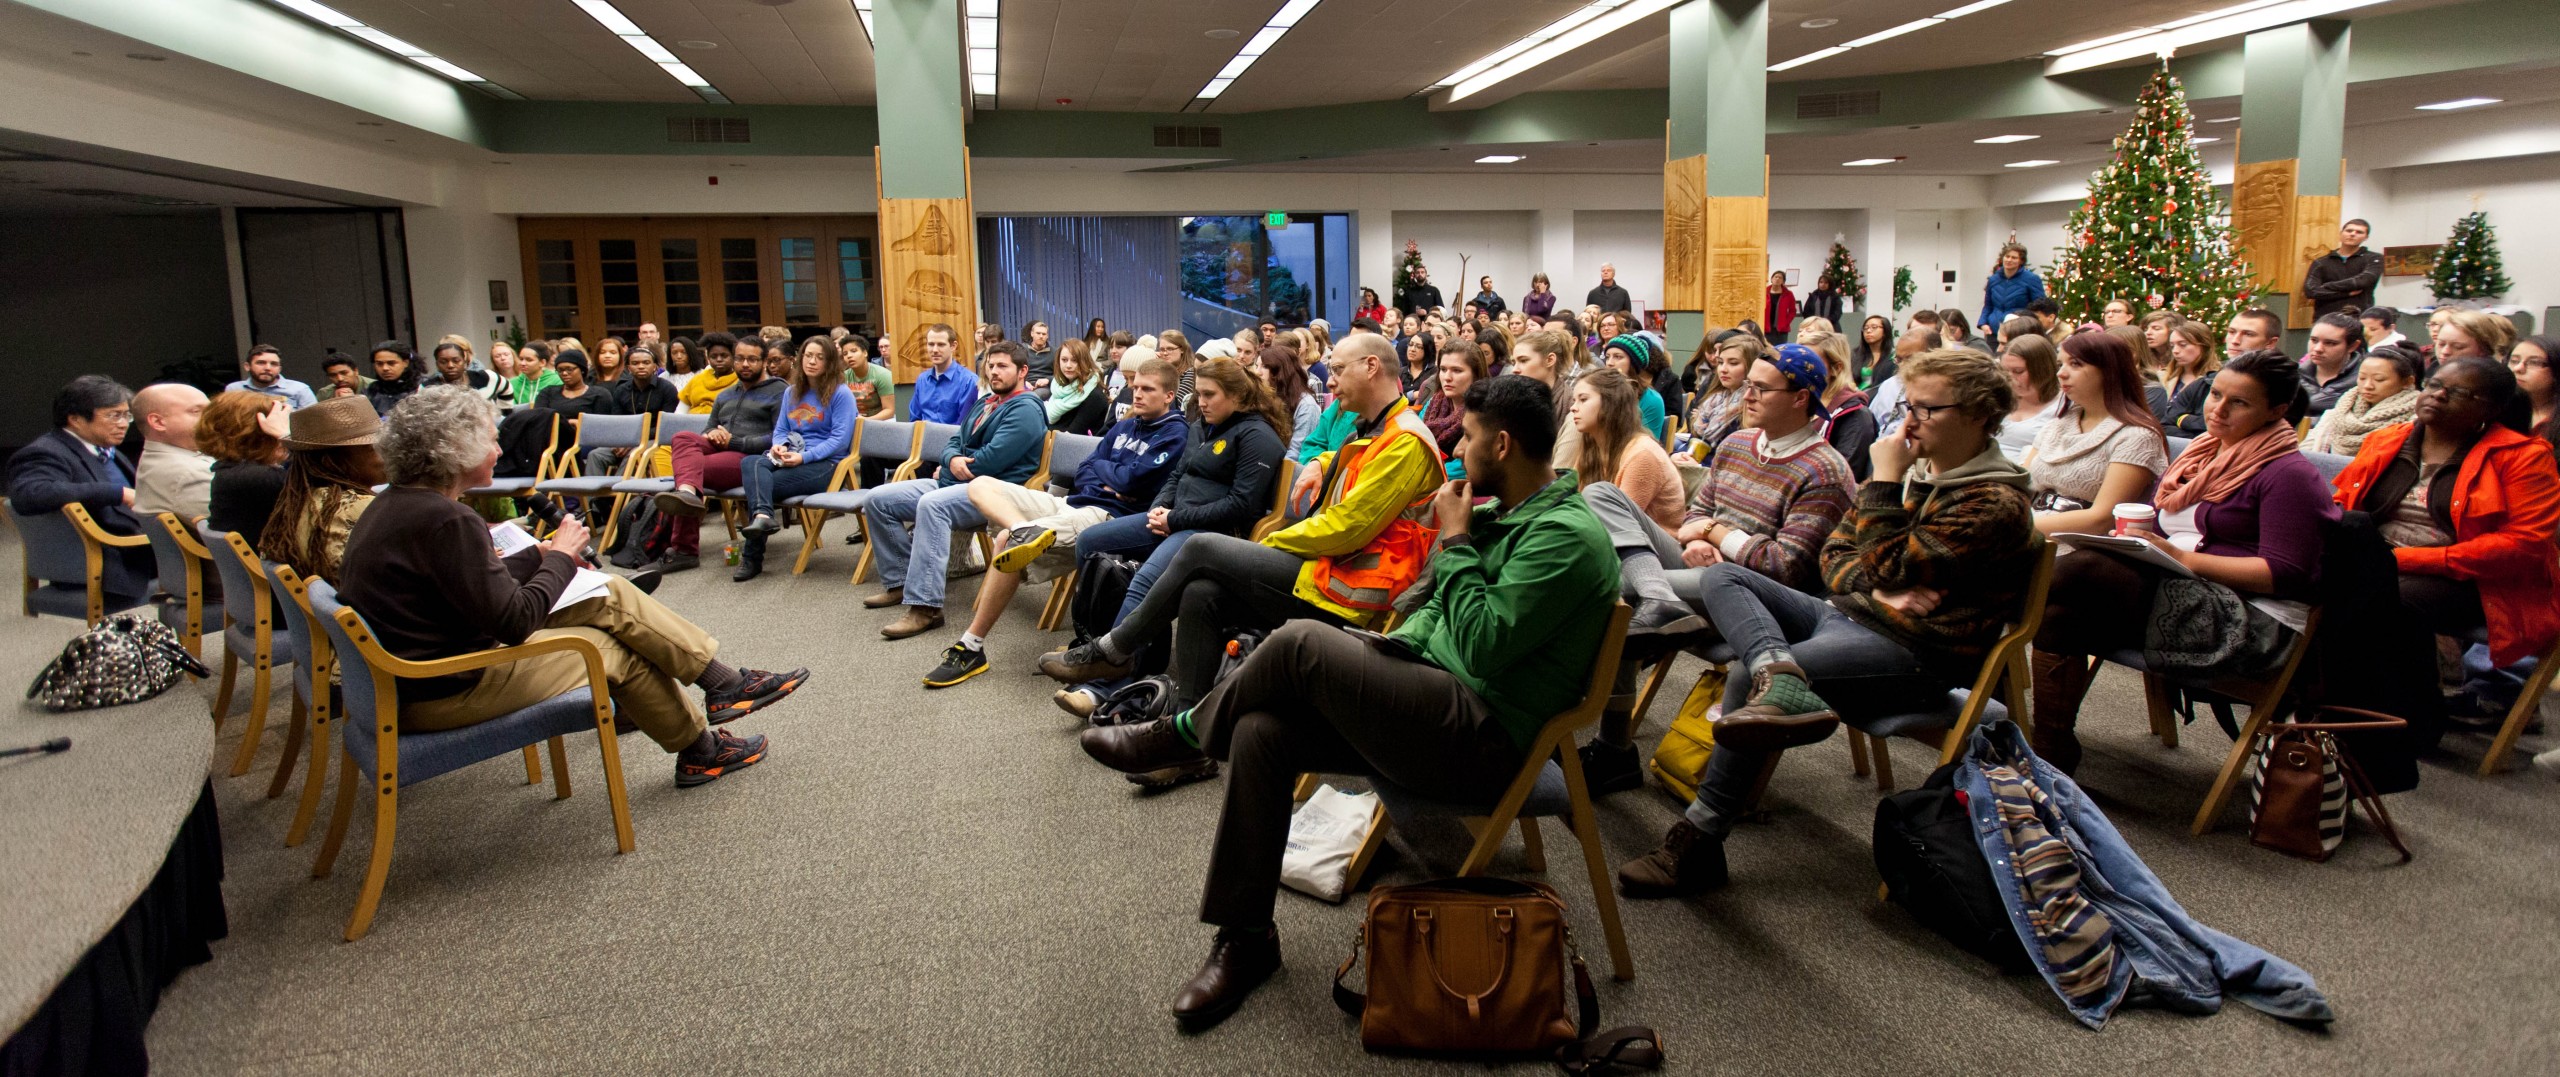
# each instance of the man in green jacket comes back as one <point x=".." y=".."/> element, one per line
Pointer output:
<point x="1447" y="706"/>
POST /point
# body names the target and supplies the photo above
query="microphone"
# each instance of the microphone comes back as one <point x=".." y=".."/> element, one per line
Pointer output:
<point x="57" y="744"/>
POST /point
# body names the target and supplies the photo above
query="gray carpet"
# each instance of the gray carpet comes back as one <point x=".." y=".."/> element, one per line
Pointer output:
<point x="938" y="882"/>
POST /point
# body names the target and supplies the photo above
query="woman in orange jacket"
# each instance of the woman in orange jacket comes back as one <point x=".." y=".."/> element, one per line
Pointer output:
<point x="2470" y="505"/>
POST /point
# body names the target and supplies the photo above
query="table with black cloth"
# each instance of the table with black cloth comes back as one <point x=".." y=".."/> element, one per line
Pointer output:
<point x="114" y="866"/>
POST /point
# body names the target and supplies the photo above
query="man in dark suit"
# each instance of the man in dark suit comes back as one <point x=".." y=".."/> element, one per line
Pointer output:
<point x="77" y="462"/>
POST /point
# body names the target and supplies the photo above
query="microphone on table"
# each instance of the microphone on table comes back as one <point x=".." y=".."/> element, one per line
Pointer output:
<point x="57" y="744"/>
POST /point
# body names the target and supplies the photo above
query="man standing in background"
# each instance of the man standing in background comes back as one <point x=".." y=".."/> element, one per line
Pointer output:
<point x="2343" y="279"/>
<point x="1608" y="296"/>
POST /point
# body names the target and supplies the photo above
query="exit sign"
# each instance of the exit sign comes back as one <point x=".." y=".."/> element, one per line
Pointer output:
<point x="1275" y="219"/>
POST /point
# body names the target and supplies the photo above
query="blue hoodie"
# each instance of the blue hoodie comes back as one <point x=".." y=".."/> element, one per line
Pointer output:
<point x="1134" y="459"/>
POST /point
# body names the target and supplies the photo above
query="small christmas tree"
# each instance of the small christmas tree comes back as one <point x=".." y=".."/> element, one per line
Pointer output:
<point x="1408" y="274"/>
<point x="1903" y="287"/>
<point x="2469" y="267"/>
<point x="1843" y="271"/>
<point x="2152" y="230"/>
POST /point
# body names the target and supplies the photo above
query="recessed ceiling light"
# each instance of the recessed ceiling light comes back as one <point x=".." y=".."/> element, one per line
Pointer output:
<point x="1222" y="35"/>
<point x="2002" y="140"/>
<point x="2039" y="163"/>
<point x="2463" y="102"/>
<point x="2225" y="119"/>
<point x="697" y="44"/>
<point x="1818" y="24"/>
<point x="1500" y="159"/>
<point x="1865" y="162"/>
<point x="2202" y="141"/>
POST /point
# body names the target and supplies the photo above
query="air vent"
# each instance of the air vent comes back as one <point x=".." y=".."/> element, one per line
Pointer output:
<point x="707" y="129"/>
<point x="1169" y="137"/>
<point x="1835" y="106"/>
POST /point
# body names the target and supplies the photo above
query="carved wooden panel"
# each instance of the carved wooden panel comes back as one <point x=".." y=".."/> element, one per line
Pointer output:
<point x="2315" y="233"/>
<point x="2262" y="220"/>
<point x="1684" y="233"/>
<point x="1737" y="258"/>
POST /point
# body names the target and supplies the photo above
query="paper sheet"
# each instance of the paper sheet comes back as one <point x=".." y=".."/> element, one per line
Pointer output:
<point x="2132" y="548"/>
<point x="509" y="539"/>
<point x="588" y="583"/>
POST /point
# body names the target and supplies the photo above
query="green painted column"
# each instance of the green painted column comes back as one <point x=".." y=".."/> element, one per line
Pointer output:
<point x="1715" y="196"/>
<point x="919" y="73"/>
<point x="2293" y="121"/>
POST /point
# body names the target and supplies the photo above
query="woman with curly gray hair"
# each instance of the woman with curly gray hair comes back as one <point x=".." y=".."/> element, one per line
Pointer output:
<point x="422" y="569"/>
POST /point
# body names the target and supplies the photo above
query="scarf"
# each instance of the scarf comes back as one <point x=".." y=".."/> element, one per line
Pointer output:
<point x="2212" y="470"/>
<point x="1445" y="418"/>
<point x="2076" y="940"/>
<point x="2343" y="430"/>
<point x="1065" y="395"/>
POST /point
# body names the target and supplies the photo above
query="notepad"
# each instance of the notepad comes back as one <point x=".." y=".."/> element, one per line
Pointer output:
<point x="2130" y="548"/>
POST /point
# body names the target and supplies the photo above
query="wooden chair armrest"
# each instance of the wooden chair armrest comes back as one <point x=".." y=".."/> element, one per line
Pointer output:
<point x="185" y="533"/>
<point x="88" y="527"/>
<point x="463" y="663"/>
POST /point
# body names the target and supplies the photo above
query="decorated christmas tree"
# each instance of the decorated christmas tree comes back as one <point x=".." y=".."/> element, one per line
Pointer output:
<point x="1406" y="276"/>
<point x="1904" y="288"/>
<point x="2469" y="267"/>
<point x="1843" y="271"/>
<point x="2152" y="230"/>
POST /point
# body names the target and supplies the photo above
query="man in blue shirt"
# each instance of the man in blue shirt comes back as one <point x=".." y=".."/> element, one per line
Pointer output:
<point x="265" y="370"/>
<point x="1000" y="437"/>
<point x="944" y="389"/>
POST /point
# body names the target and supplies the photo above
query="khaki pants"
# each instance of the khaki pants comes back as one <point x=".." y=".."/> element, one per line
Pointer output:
<point x="1041" y="508"/>
<point x="650" y="655"/>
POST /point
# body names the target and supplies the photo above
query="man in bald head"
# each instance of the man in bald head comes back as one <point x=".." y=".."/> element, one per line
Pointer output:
<point x="173" y="476"/>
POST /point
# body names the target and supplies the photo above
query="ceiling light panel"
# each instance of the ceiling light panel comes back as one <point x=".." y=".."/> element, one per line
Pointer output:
<point x="985" y="30"/>
<point x="1887" y="34"/>
<point x="621" y="26"/>
<point x="1585" y="25"/>
<point x="355" y="28"/>
<point x="2002" y="140"/>
<point x="869" y="32"/>
<point x="1869" y="162"/>
<point x="2167" y="38"/>
<point x="1501" y="159"/>
<point x="1254" y="47"/>
<point x="2030" y="164"/>
<point x="2466" y="102"/>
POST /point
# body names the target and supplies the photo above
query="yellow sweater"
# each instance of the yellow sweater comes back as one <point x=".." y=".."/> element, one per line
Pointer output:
<point x="699" y="389"/>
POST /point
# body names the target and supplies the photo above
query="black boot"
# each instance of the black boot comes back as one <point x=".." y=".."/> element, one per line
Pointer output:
<point x="750" y="559"/>
<point x="2061" y="682"/>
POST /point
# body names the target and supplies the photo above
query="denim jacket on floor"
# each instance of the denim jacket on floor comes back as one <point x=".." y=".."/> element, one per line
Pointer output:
<point x="2160" y="949"/>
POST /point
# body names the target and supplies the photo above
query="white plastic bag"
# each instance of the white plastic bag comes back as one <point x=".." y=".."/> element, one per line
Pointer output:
<point x="1324" y="836"/>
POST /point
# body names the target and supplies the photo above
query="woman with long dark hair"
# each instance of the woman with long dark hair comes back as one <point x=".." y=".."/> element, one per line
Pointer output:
<point x="2104" y="449"/>
<point x="1421" y="369"/>
<point x="2530" y="361"/>
<point x="329" y="474"/>
<point x="395" y="376"/>
<point x="1874" y="345"/>
<point x="1617" y="448"/>
<point x="1282" y="373"/>
<point x="2194" y="358"/>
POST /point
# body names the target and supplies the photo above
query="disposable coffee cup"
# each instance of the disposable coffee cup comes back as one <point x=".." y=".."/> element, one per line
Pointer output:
<point x="2132" y="518"/>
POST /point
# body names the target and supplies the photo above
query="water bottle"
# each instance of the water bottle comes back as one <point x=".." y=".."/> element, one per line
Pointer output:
<point x="729" y="552"/>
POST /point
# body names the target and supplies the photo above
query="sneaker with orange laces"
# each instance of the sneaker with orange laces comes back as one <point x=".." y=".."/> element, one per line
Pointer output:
<point x="757" y="689"/>
<point x="729" y="752"/>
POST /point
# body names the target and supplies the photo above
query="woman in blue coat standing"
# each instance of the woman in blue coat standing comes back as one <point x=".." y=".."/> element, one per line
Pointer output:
<point x="2011" y="287"/>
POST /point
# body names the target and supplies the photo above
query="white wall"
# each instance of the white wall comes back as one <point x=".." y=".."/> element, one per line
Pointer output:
<point x="2419" y="204"/>
<point x="1492" y="242"/>
<point x="1630" y="239"/>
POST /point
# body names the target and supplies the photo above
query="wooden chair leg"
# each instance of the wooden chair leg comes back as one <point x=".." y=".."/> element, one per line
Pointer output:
<point x="1858" y="753"/>
<point x="2155" y="698"/>
<point x="1882" y="757"/>
<point x="292" y="751"/>
<point x="1533" y="849"/>
<point x="2519" y="716"/>
<point x="1644" y="696"/>
<point x="559" y="769"/>
<point x="258" y="684"/>
<point x="339" y="811"/>
<point x="222" y="696"/>
<point x="812" y="528"/>
<point x="1622" y="964"/>
<point x="862" y="566"/>
<point x="2228" y="781"/>
<point x="1369" y="847"/>
<point x="532" y="766"/>
<point x="386" y="815"/>
<point x="315" y="774"/>
<point x="1307" y="784"/>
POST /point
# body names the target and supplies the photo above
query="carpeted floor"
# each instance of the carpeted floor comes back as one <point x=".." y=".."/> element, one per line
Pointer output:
<point x="938" y="882"/>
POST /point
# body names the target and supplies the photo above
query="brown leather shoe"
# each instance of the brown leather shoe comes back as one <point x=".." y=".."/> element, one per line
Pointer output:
<point x="1782" y="712"/>
<point x="895" y="596"/>
<point x="1238" y="962"/>
<point x="1687" y="864"/>
<point x="1140" y="747"/>
<point x="917" y="619"/>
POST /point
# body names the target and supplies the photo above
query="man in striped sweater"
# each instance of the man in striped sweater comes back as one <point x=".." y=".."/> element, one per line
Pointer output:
<point x="1776" y="492"/>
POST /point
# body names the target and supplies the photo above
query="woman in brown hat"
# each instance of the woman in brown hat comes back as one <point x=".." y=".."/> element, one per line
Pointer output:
<point x="329" y="474"/>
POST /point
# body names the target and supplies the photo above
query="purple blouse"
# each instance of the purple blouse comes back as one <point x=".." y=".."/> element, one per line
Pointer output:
<point x="2277" y="515"/>
<point x="1538" y="304"/>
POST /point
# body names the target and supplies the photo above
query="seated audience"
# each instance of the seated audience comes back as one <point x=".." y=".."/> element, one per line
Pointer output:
<point x="2471" y="332"/>
<point x="1774" y="494"/>
<point x="875" y="392"/>
<point x="2253" y="329"/>
<point x="2105" y="448"/>
<point x="1077" y="403"/>
<point x="610" y="368"/>
<point x="1871" y="358"/>
<point x="2469" y="503"/>
<point x="343" y="379"/>
<point x="1001" y="437"/>
<point x="1344" y="564"/>
<point x="395" y="376"/>
<point x="574" y="395"/>
<point x="1719" y="407"/>
<point x="452" y="359"/>
<point x="1460" y="367"/>
<point x="2137" y="341"/>
<point x="76" y="463"/>
<point x="264" y="373"/>
<point x="717" y="374"/>
<point x="944" y="390"/>
<point x="330" y="471"/>
<point x="534" y="373"/>
<point x="2029" y="361"/>
<point x="171" y="476"/>
<point x="1421" y="370"/>
<point x="1852" y="424"/>
<point x="2243" y="510"/>
<point x="2330" y="367"/>
<point x="1523" y="595"/>
<point x="2386" y="395"/>
<point x="1546" y="356"/>
<point x="644" y="389"/>
<point x="244" y="434"/>
<point x="1281" y="369"/>
<point x="813" y="430"/>
<point x="1925" y="571"/>
<point x="1632" y="357"/>
<point x="1615" y="448"/>
<point x="2530" y="361"/>
<point x="422" y="572"/>
<point x="2188" y="378"/>
<point x="1126" y="472"/>
<point x="1887" y="402"/>
<point x="2381" y="325"/>
<point x="742" y="420"/>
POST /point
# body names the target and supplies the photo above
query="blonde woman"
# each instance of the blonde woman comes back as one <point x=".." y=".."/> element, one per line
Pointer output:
<point x="2473" y="333"/>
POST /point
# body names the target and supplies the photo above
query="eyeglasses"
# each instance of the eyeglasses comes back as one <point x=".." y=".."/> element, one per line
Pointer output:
<point x="112" y="417"/>
<point x="1753" y="388"/>
<point x="1920" y="412"/>
<point x="2451" y="392"/>
<point x="2521" y="363"/>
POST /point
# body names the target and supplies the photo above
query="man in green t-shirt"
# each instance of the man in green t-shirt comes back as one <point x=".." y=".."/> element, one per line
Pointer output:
<point x="874" y="395"/>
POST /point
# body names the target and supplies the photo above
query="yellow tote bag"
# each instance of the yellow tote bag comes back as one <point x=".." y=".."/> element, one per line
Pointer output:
<point x="1680" y="761"/>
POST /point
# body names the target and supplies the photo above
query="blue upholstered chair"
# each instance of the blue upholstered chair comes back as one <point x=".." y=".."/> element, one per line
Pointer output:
<point x="65" y="565"/>
<point x="2329" y="463"/>
<point x="1550" y="784"/>
<point x="568" y="480"/>
<point x="382" y="757"/>
<point x="522" y="485"/>
<point x="181" y="559"/>
<point x="881" y="441"/>
<point x="669" y="425"/>
<point x="250" y="638"/>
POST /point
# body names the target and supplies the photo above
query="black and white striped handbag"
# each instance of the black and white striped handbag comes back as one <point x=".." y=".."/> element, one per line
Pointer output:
<point x="2301" y="785"/>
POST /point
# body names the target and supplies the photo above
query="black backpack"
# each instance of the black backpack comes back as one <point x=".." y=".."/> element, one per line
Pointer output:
<point x="1102" y="583"/>
<point x="641" y="536"/>
<point x="1934" y="869"/>
<point x="1141" y="700"/>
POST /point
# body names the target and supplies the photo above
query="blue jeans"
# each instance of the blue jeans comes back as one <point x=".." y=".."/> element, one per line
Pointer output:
<point x="767" y="484"/>
<point x="1859" y="673"/>
<point x="1128" y="537"/>
<point x="918" y="561"/>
